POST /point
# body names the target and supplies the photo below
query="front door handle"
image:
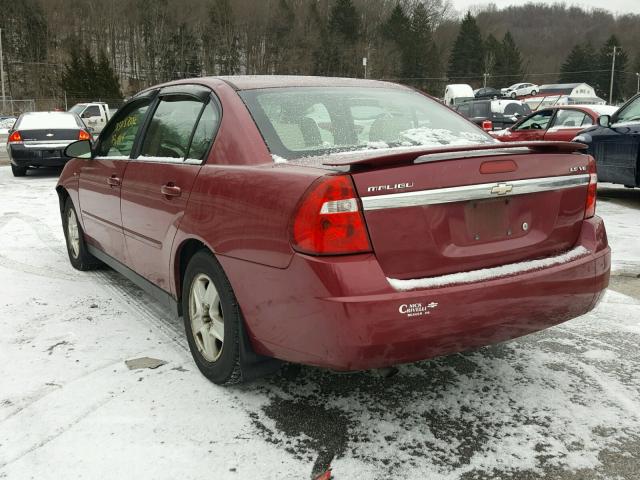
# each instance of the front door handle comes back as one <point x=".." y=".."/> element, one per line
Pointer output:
<point x="114" y="181"/>
<point x="170" y="190"/>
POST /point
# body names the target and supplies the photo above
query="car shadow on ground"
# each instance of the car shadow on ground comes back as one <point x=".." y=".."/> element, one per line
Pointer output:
<point x="629" y="197"/>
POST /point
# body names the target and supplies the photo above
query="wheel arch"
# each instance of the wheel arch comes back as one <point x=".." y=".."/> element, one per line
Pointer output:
<point x="63" y="194"/>
<point x="185" y="251"/>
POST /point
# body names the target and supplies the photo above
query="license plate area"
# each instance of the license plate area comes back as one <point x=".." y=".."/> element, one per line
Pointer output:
<point x="488" y="220"/>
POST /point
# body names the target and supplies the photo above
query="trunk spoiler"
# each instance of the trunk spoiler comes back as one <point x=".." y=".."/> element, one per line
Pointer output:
<point x="388" y="157"/>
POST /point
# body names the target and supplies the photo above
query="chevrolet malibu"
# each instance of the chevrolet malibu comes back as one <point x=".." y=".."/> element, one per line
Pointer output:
<point x="348" y="224"/>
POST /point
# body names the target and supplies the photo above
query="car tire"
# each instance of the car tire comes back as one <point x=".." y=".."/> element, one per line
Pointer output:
<point x="534" y="92"/>
<point x="513" y="95"/>
<point x="79" y="255"/>
<point x="18" y="171"/>
<point x="212" y="320"/>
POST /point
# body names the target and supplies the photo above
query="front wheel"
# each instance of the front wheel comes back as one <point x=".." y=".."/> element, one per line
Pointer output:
<point x="513" y="95"/>
<point x="533" y="92"/>
<point x="212" y="320"/>
<point x="18" y="171"/>
<point x="79" y="255"/>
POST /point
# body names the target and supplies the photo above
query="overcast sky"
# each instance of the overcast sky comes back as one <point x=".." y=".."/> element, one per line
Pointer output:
<point x="616" y="6"/>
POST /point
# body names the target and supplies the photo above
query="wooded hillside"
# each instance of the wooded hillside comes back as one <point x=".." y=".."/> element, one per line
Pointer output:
<point x="50" y="43"/>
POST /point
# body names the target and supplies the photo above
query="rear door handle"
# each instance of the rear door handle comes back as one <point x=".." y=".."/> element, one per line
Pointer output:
<point x="171" y="190"/>
<point x="114" y="181"/>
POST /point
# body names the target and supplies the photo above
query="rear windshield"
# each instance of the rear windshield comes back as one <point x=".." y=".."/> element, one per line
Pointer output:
<point x="306" y="121"/>
<point x="48" y="120"/>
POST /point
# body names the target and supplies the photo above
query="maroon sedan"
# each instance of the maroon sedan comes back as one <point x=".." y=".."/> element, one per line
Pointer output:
<point x="342" y="223"/>
<point x="554" y="123"/>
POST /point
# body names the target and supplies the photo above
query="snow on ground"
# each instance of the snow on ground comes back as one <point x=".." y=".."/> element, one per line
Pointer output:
<point x="561" y="404"/>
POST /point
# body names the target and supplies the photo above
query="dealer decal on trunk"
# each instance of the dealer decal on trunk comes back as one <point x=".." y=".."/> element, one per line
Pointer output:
<point x="417" y="309"/>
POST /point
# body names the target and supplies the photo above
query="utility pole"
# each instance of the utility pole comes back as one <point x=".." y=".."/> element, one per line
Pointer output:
<point x="4" y="99"/>
<point x="613" y="70"/>
<point x="638" y="89"/>
<point x="364" y="64"/>
<point x="486" y="75"/>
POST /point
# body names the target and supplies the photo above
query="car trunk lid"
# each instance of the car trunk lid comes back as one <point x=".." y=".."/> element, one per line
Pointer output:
<point x="464" y="209"/>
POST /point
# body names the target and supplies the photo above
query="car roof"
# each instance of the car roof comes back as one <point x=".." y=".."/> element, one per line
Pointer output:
<point x="251" y="82"/>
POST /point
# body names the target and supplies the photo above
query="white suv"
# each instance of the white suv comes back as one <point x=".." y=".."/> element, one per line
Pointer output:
<point x="520" y="90"/>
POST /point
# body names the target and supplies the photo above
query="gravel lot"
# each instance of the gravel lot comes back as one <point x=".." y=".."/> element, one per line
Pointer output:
<point x="560" y="404"/>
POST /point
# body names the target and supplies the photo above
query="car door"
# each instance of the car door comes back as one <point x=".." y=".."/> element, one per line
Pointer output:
<point x="533" y="127"/>
<point x="100" y="179"/>
<point x="566" y="124"/>
<point x="158" y="181"/>
<point x="617" y="148"/>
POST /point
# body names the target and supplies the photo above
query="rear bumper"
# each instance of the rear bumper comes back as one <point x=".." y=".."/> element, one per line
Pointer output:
<point x="21" y="156"/>
<point x="342" y="313"/>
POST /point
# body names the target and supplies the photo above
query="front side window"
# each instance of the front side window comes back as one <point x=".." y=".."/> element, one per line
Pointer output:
<point x="305" y="121"/>
<point x="569" y="119"/>
<point x="120" y="134"/>
<point x="172" y="124"/>
<point x="631" y="113"/>
<point x="539" y="121"/>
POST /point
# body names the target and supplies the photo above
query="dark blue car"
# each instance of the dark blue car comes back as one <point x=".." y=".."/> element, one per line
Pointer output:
<point x="615" y="144"/>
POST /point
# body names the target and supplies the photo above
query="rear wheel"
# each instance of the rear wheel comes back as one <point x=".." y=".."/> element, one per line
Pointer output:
<point x="212" y="320"/>
<point x="18" y="171"/>
<point x="79" y="255"/>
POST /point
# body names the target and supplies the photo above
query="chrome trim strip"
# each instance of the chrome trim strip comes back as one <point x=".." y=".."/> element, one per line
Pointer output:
<point x="49" y="145"/>
<point x="471" y="192"/>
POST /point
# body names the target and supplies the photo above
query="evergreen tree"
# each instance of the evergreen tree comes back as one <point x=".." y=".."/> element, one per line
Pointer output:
<point x="108" y="86"/>
<point x="578" y="66"/>
<point x="604" y="76"/>
<point x="72" y="80"/>
<point x="337" y="54"/>
<point x="510" y="64"/>
<point x="493" y="58"/>
<point x="420" y="57"/>
<point x="395" y="33"/>
<point x="467" y="55"/>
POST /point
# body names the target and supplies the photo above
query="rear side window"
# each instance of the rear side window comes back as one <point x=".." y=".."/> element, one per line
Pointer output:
<point x="205" y="131"/>
<point x="92" y="111"/>
<point x="118" y="138"/>
<point x="169" y="132"/>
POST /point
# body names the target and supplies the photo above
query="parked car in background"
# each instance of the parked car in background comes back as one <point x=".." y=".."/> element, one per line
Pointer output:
<point x="615" y="144"/>
<point x="487" y="92"/>
<point x="556" y="123"/>
<point x="493" y="114"/>
<point x="367" y="255"/>
<point x="94" y="115"/>
<point x="457" y="93"/>
<point x="520" y="90"/>
<point x="38" y="139"/>
<point x="6" y="123"/>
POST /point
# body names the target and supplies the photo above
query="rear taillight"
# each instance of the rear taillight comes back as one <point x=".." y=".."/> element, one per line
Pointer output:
<point x="328" y="220"/>
<point x="592" y="189"/>
<point x="84" y="135"/>
<point x="15" y="137"/>
<point x="487" y="125"/>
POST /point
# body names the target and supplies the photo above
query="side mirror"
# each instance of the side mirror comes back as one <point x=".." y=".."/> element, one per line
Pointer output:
<point x="79" y="149"/>
<point x="604" y="120"/>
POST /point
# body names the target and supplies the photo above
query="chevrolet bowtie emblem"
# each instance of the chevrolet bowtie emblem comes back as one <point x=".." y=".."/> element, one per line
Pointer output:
<point x="501" y="189"/>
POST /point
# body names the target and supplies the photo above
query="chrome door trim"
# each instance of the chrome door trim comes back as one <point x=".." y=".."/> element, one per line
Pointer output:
<point x="472" y="192"/>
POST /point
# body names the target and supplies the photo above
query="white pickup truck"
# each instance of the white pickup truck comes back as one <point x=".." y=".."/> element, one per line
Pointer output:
<point x="94" y="115"/>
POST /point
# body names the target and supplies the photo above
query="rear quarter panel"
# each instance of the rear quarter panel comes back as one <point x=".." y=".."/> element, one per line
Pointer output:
<point x="242" y="202"/>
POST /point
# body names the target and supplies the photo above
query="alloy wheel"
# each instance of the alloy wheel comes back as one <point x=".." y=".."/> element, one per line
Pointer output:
<point x="207" y="318"/>
<point x="73" y="234"/>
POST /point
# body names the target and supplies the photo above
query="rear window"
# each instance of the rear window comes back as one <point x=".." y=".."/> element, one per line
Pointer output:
<point x="50" y="120"/>
<point x="306" y="121"/>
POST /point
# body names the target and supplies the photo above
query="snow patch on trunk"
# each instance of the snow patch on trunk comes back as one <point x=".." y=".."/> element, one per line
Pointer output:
<point x="488" y="273"/>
